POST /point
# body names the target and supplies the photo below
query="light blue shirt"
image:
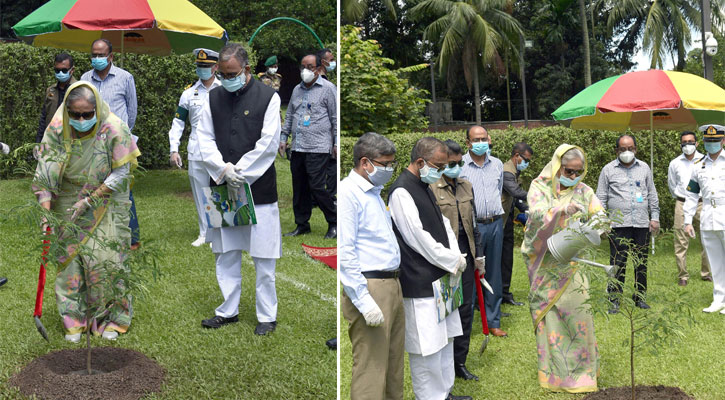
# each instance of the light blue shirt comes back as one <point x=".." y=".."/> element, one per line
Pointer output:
<point x="487" y="181"/>
<point x="118" y="90"/>
<point x="366" y="241"/>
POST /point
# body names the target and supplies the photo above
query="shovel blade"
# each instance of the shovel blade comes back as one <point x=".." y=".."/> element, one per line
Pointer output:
<point x="41" y="329"/>
<point x="483" y="345"/>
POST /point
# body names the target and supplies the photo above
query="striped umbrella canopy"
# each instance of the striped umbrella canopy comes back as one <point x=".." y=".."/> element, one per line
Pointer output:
<point x="642" y="100"/>
<point x="155" y="27"/>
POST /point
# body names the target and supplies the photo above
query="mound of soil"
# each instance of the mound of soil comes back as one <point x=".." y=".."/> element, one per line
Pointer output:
<point x="643" y="393"/>
<point x="124" y="375"/>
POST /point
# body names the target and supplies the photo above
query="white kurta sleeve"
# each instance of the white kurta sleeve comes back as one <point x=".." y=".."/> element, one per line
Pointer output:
<point x="210" y="155"/>
<point x="405" y="216"/>
<point x="177" y="125"/>
<point x="256" y="162"/>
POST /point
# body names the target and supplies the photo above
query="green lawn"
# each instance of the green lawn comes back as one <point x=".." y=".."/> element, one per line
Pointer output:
<point x="507" y="369"/>
<point x="229" y="363"/>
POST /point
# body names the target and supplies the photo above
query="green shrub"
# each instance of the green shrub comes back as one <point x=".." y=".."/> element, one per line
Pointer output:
<point x="27" y="71"/>
<point x="598" y="145"/>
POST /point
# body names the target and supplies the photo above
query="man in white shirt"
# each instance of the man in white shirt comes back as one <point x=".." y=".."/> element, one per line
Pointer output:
<point x="428" y="251"/>
<point x="678" y="176"/>
<point x="372" y="301"/>
<point x="190" y="105"/>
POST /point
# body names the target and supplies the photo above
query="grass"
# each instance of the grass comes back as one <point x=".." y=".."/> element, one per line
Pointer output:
<point x="228" y="363"/>
<point x="507" y="369"/>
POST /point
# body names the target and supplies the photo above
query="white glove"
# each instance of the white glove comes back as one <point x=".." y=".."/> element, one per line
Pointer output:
<point x="573" y="208"/>
<point x="79" y="208"/>
<point x="481" y="265"/>
<point x="234" y="176"/>
<point x="234" y="193"/>
<point x="175" y="160"/>
<point x="44" y="226"/>
<point x="690" y="230"/>
<point x="4" y="148"/>
<point x="461" y="265"/>
<point x="374" y="317"/>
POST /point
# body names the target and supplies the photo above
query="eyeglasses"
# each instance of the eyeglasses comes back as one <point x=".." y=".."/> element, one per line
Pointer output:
<point x="623" y="149"/>
<point x="439" y="169"/>
<point x="689" y="143"/>
<point x="479" y="140"/>
<point x="229" y="76"/>
<point x="78" y="115"/>
<point x="63" y="70"/>
<point x="389" y="165"/>
<point x="99" y="55"/>
<point x="524" y="158"/>
<point x="453" y="164"/>
<point x="571" y="171"/>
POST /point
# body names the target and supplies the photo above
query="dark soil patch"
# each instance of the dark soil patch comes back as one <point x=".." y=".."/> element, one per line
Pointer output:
<point x="127" y="375"/>
<point x="643" y="393"/>
<point x="185" y="195"/>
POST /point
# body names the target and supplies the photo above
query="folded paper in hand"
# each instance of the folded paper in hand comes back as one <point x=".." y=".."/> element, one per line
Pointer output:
<point x="448" y="294"/>
<point x="222" y="212"/>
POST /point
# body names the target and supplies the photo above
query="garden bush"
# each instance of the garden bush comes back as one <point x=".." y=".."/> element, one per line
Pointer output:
<point x="598" y="145"/>
<point x="27" y="71"/>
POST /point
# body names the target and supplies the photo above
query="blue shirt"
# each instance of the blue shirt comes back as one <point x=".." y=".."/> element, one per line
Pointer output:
<point x="487" y="181"/>
<point x="631" y="191"/>
<point x="118" y="90"/>
<point x="366" y="241"/>
<point x="311" y="117"/>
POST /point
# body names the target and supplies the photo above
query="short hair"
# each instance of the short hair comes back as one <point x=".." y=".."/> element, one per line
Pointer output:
<point x="59" y="58"/>
<point x="521" y="148"/>
<point x="468" y="132"/>
<point x="323" y="52"/>
<point x="453" y="147"/>
<point x="318" y="59"/>
<point x="235" y="50"/>
<point x="685" y="133"/>
<point x="78" y="93"/>
<point x="616" y="145"/>
<point x="572" y="154"/>
<point x="371" y="145"/>
<point x="426" y="147"/>
<point x="106" y="41"/>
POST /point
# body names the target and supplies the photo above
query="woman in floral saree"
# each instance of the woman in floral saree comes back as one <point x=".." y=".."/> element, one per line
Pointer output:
<point x="85" y="162"/>
<point x="568" y="357"/>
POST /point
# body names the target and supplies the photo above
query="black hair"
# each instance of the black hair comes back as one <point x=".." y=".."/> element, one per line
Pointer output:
<point x="616" y="145"/>
<point x="521" y="148"/>
<point x="59" y="58"/>
<point x="425" y="147"/>
<point x="318" y="59"/>
<point x="106" y="41"/>
<point x="323" y="52"/>
<point x="685" y="133"/>
<point x="453" y="147"/>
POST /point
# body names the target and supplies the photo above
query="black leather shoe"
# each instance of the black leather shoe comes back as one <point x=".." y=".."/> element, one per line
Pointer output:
<point x="218" y="322"/>
<point x="641" y="304"/>
<point x="298" y="231"/>
<point x="264" y="328"/>
<point x="332" y="343"/>
<point x="452" y="397"/>
<point x="463" y="372"/>
<point x="512" y="302"/>
<point x="331" y="233"/>
<point x="3" y="281"/>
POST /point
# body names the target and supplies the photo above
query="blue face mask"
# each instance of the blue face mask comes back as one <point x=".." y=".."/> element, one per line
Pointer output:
<point x="452" y="172"/>
<point x="522" y="165"/>
<point x="99" y="63"/>
<point x="429" y="175"/>
<point x="62" y="76"/>
<point x="203" y="73"/>
<point x="82" y="126"/>
<point x="568" y="182"/>
<point x="331" y="67"/>
<point x="234" y="84"/>
<point x="480" y="148"/>
<point x="713" y="147"/>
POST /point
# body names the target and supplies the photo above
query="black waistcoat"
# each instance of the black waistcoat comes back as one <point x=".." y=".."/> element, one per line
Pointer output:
<point x="238" y="119"/>
<point x="416" y="273"/>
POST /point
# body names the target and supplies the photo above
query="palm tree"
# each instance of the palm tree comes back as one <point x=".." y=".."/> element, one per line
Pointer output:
<point x="469" y="32"/>
<point x="355" y="10"/>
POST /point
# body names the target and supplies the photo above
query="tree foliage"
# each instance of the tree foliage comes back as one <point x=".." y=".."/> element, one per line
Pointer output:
<point x="373" y="96"/>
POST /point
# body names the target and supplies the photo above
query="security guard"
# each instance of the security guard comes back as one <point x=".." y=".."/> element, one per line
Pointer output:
<point x="190" y="105"/>
<point x="708" y="179"/>
<point x="271" y="78"/>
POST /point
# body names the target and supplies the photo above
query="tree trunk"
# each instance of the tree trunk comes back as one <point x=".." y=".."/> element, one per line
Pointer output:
<point x="476" y="93"/>
<point x="585" y="44"/>
<point x="631" y="353"/>
<point x="88" y="318"/>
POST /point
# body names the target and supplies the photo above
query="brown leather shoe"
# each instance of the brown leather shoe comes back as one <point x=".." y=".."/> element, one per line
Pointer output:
<point x="707" y="278"/>
<point x="498" y="332"/>
<point x="682" y="282"/>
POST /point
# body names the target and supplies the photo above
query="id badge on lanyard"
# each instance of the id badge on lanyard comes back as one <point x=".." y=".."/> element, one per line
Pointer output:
<point x="307" y="115"/>
<point x="638" y="193"/>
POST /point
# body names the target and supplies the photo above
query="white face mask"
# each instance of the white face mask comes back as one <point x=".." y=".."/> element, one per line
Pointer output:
<point x="307" y="75"/>
<point x="626" y="157"/>
<point x="688" y="149"/>
<point x="272" y="71"/>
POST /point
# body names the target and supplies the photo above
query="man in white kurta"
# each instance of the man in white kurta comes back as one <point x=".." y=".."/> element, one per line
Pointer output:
<point x="429" y="343"/>
<point x="263" y="241"/>
<point x="190" y="105"/>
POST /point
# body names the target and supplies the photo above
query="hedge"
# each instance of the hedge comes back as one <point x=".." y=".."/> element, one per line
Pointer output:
<point x="598" y="145"/>
<point x="27" y="71"/>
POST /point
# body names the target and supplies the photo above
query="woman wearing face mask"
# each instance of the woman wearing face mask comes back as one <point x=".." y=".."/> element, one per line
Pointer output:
<point x="84" y="170"/>
<point x="568" y="357"/>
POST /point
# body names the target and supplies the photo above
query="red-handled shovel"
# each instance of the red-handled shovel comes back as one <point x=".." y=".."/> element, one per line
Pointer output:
<point x="484" y="321"/>
<point x="41" y="287"/>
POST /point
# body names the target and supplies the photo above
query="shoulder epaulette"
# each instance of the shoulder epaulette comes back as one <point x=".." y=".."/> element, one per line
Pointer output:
<point x="190" y="85"/>
<point x="703" y="157"/>
<point x="259" y="75"/>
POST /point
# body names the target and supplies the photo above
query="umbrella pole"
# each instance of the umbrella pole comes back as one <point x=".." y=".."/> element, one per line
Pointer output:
<point x="123" y="55"/>
<point x="651" y="164"/>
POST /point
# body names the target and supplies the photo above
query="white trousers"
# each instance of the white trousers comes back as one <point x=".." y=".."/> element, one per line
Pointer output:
<point x="432" y="376"/>
<point x="714" y="242"/>
<point x="229" y="276"/>
<point x="199" y="178"/>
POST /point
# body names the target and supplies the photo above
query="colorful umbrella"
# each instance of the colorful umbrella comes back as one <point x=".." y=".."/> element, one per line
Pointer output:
<point x="155" y="27"/>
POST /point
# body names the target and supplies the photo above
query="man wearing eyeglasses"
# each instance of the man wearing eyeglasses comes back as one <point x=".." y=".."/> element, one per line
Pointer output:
<point x="312" y="123"/>
<point x="485" y="173"/>
<point x="63" y="67"/>
<point x="513" y="197"/>
<point x="628" y="193"/>
<point x="117" y="88"/>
